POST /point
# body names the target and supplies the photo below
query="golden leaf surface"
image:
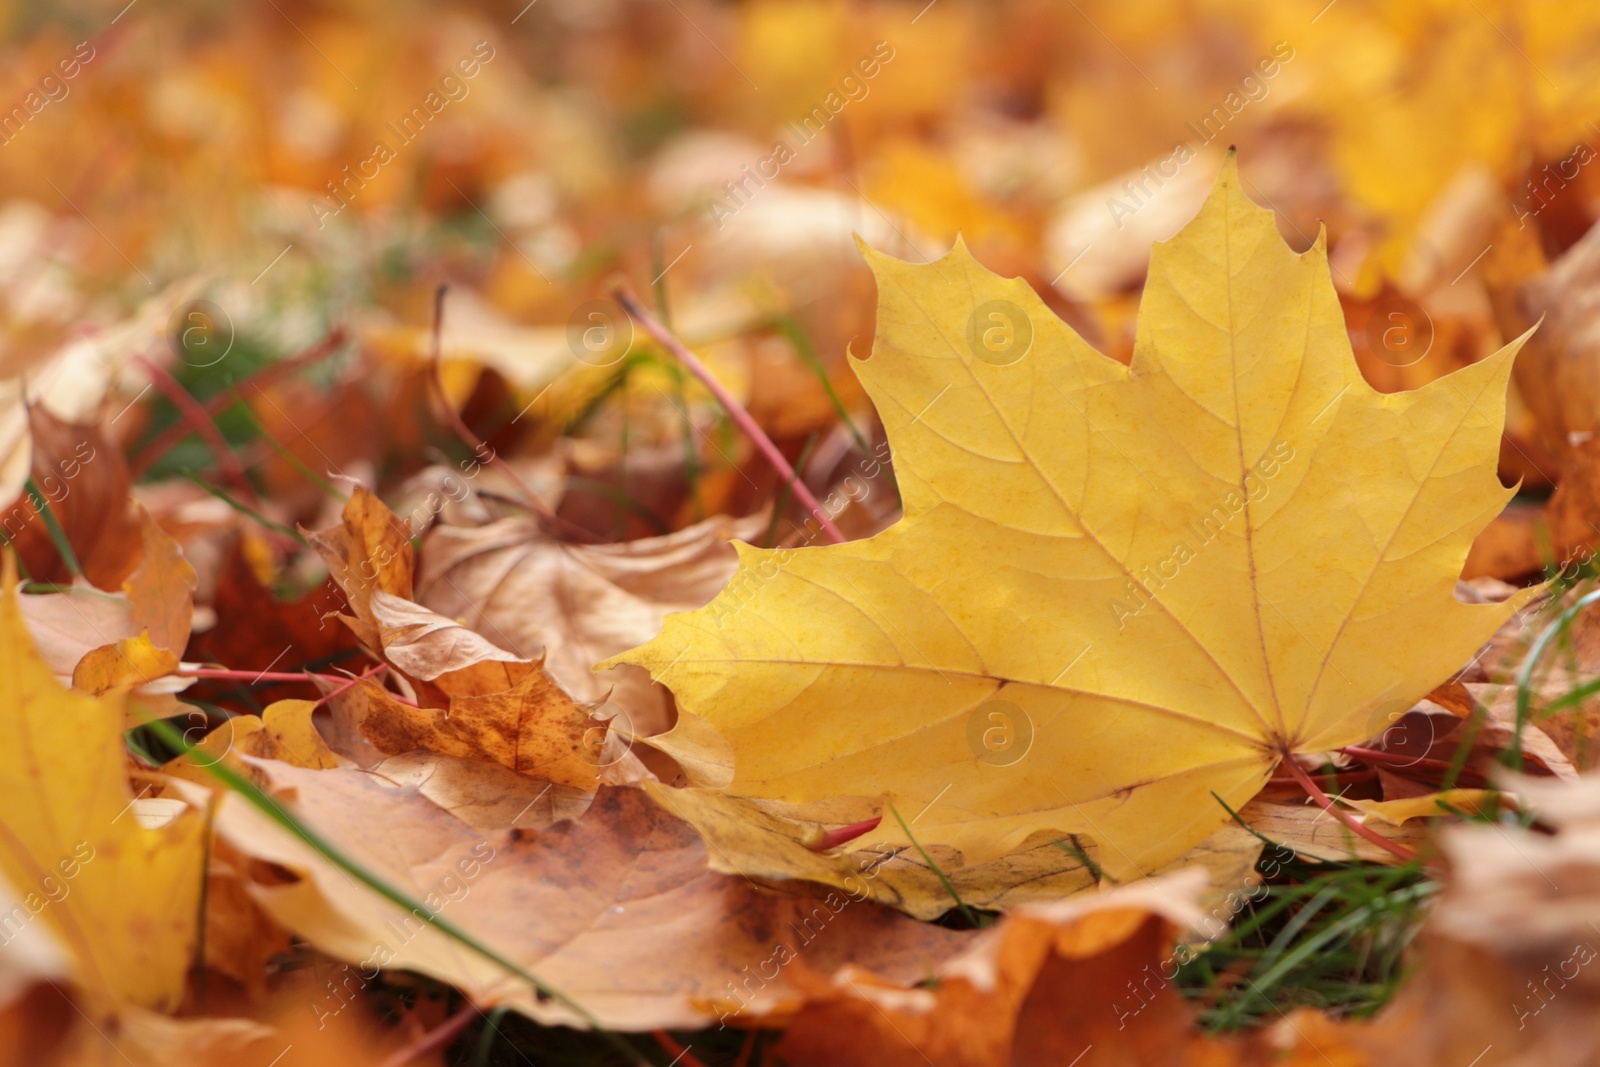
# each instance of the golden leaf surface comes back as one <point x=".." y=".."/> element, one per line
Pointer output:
<point x="1115" y="591"/>
<point x="122" y="899"/>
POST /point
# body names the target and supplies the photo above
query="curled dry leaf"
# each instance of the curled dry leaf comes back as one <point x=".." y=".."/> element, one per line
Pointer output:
<point x="131" y="662"/>
<point x="84" y="480"/>
<point x="616" y="909"/>
<point x="1444" y="802"/>
<point x="138" y="633"/>
<point x="573" y="604"/>
<point x="161" y="589"/>
<point x="496" y="706"/>
<point x="368" y="552"/>
<point x="1558" y="378"/>
<point x="431" y="648"/>
<point x="533" y="728"/>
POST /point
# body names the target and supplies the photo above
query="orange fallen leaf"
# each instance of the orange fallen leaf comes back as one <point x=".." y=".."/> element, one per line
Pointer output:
<point x="533" y="728"/>
<point x="575" y="604"/>
<point x="1059" y="984"/>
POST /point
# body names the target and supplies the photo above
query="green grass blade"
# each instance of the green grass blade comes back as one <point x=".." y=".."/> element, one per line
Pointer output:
<point x="282" y="450"/>
<point x="57" y="534"/>
<point x="245" y="509"/>
<point x="798" y="340"/>
<point x="258" y="799"/>
<point x="1076" y="850"/>
<point x="972" y="916"/>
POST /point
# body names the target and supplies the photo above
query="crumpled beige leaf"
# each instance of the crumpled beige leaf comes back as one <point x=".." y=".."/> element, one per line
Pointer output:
<point x="616" y="909"/>
<point x="576" y="604"/>
<point x="485" y="796"/>
<point x="68" y="624"/>
<point x="428" y="646"/>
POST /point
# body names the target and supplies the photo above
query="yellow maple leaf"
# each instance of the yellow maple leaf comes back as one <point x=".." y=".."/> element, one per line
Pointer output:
<point x="122" y="899"/>
<point x="1115" y="591"/>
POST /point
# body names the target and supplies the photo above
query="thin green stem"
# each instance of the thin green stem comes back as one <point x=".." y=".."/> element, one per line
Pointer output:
<point x="1076" y="851"/>
<point x="491" y="1030"/>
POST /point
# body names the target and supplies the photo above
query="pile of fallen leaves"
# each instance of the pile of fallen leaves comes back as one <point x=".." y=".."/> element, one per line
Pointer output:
<point x="504" y="562"/>
<point x="1061" y="694"/>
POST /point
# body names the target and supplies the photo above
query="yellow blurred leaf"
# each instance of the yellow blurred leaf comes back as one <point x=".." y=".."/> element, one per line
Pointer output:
<point x="131" y="662"/>
<point x="1397" y="812"/>
<point x="123" y="900"/>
